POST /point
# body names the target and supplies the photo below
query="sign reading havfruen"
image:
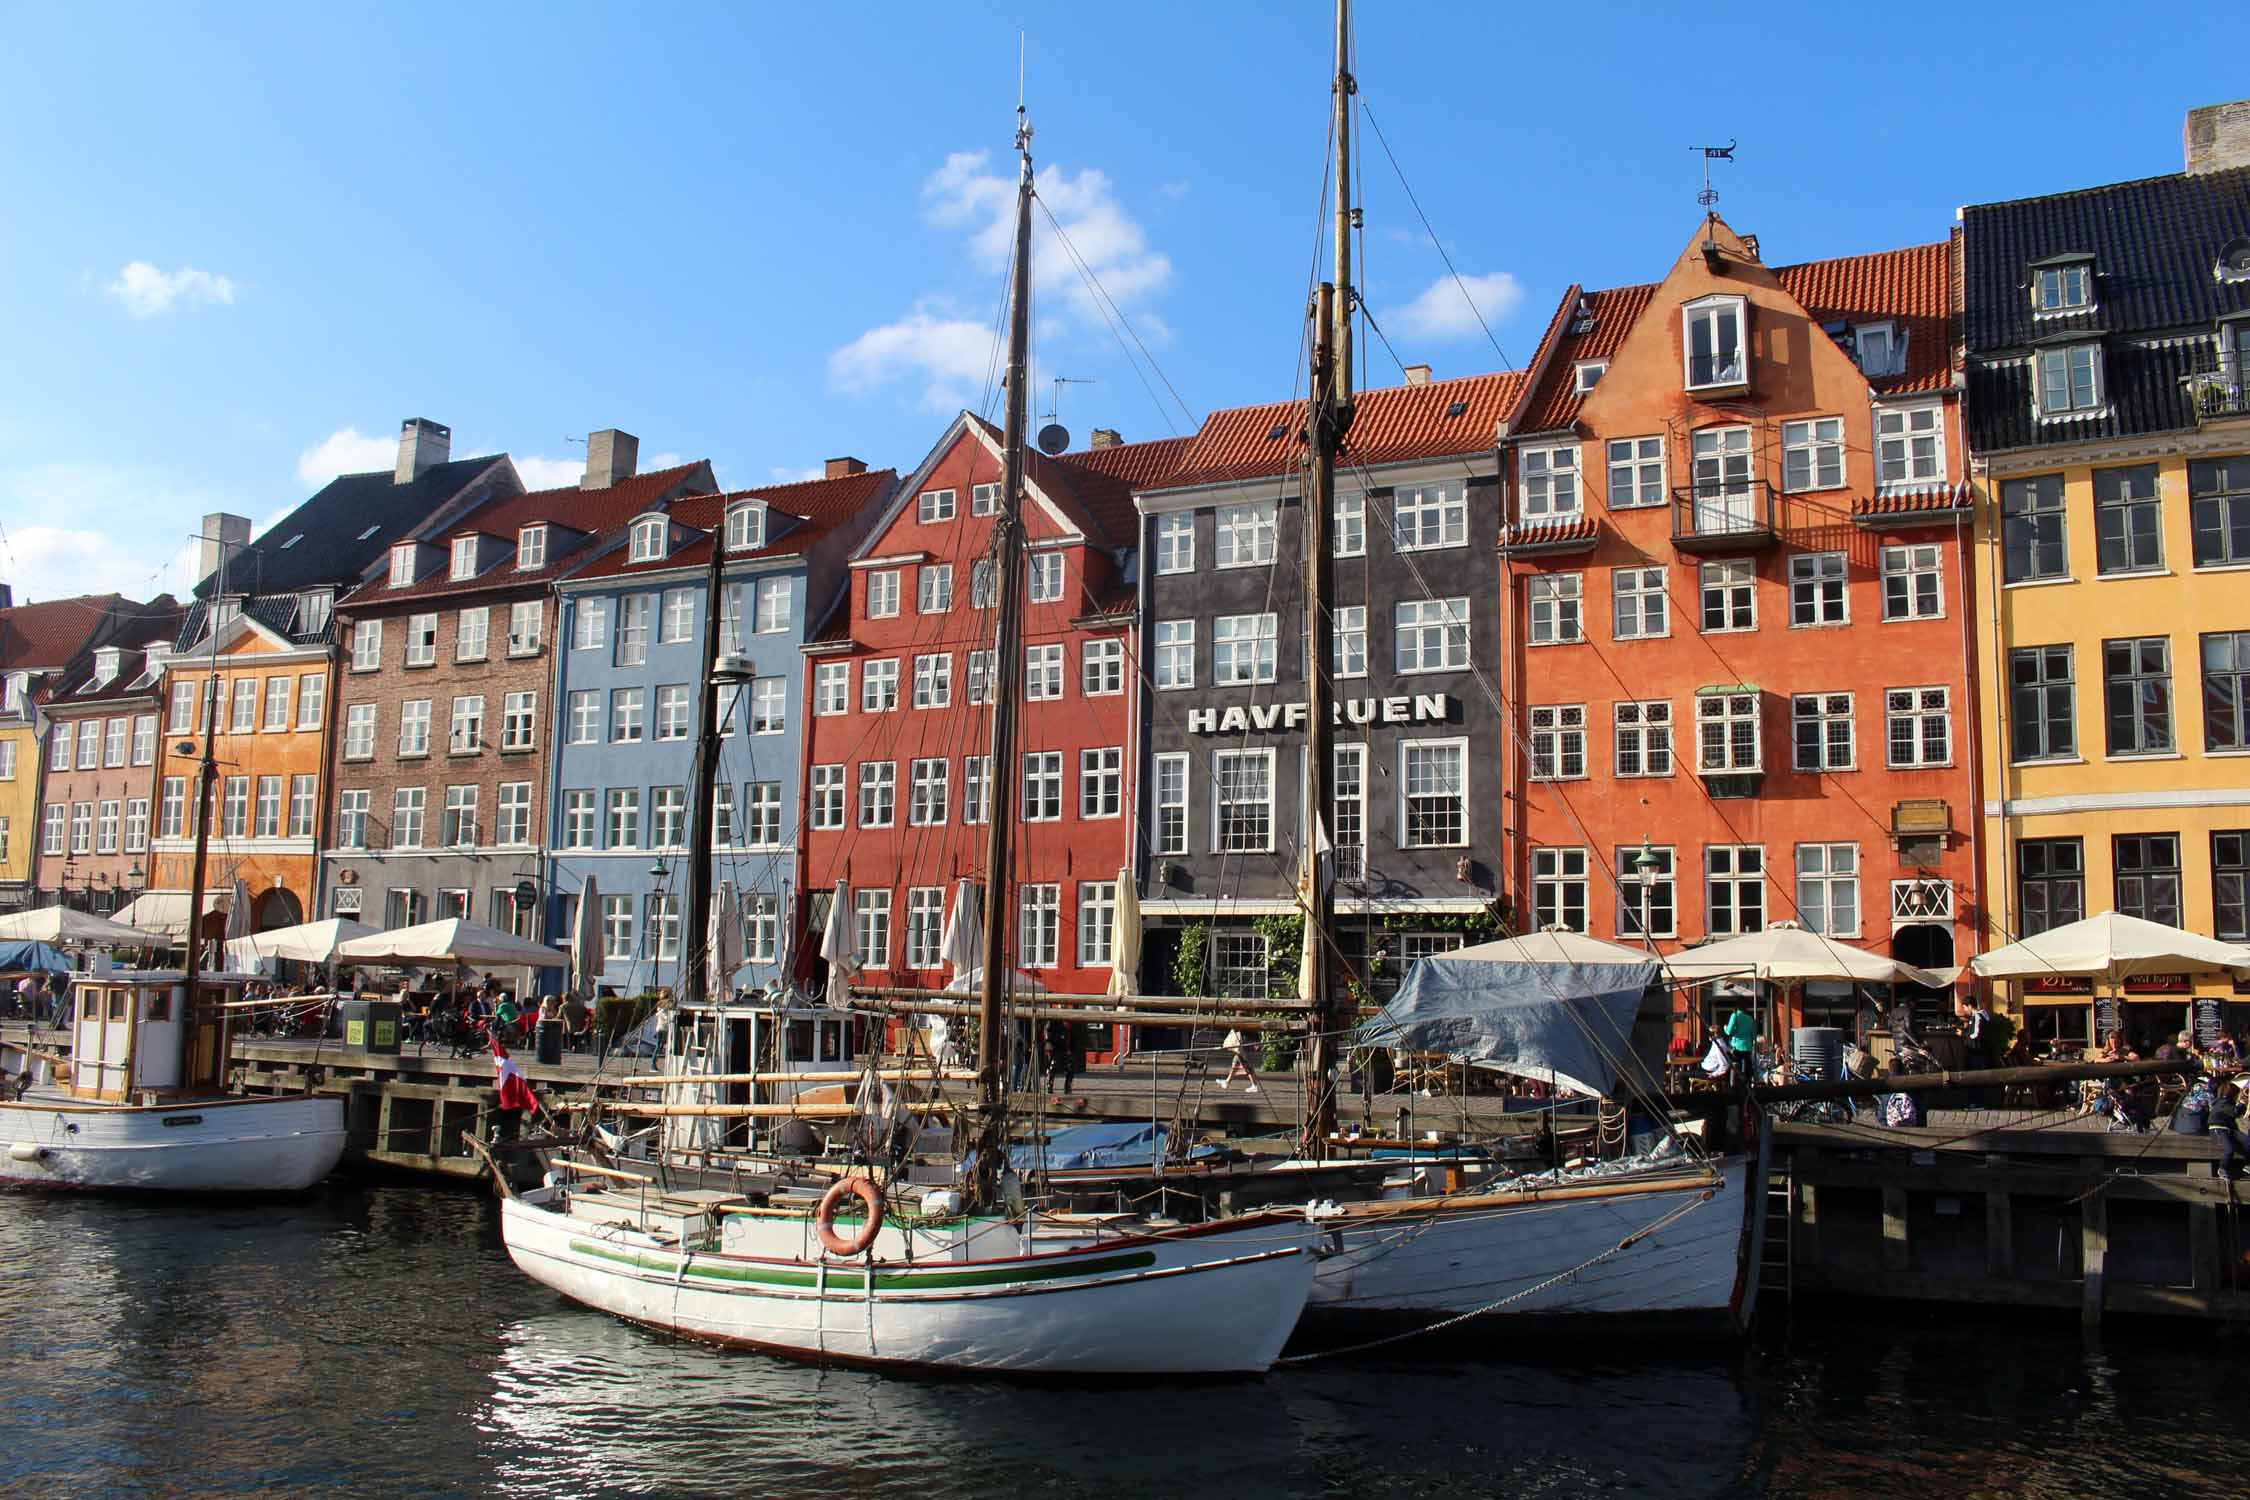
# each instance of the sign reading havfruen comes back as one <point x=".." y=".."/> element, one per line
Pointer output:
<point x="1401" y="708"/>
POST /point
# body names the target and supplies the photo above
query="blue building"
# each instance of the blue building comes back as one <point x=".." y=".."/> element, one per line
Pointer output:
<point x="630" y="659"/>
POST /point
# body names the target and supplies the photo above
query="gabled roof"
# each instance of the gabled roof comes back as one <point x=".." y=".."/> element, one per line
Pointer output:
<point x="589" y="513"/>
<point x="1094" y="487"/>
<point x="344" y="528"/>
<point x="44" y="637"/>
<point x="1396" y="424"/>
<point x="2153" y="242"/>
<point x="1555" y="404"/>
<point x="157" y="624"/>
<point x="817" y="506"/>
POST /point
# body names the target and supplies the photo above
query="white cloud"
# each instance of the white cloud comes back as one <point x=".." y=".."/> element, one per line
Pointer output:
<point x="141" y="548"/>
<point x="347" y="450"/>
<point x="799" y="476"/>
<point x="1441" y="312"/>
<point x="549" y="473"/>
<point x="655" y="461"/>
<point x="148" y="292"/>
<point x="952" y="355"/>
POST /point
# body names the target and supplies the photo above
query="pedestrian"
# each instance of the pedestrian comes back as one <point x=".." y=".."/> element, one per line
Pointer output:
<point x="1975" y="1055"/>
<point x="2224" y="1119"/>
<point x="1062" y="1056"/>
<point x="1238" y="1065"/>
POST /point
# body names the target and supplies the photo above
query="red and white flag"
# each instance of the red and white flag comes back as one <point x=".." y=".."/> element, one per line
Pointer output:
<point x="515" y="1089"/>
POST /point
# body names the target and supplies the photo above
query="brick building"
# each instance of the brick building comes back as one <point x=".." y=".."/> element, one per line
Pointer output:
<point x="444" y="721"/>
<point x="1737" y="599"/>
<point x="102" y="715"/>
<point x="630" y="651"/>
<point x="897" y="796"/>
<point x="259" y="638"/>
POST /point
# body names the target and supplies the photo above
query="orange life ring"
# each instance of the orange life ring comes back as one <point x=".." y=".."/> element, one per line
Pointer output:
<point x="824" y="1220"/>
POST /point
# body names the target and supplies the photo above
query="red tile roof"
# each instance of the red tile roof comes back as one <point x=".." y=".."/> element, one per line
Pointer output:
<point x="1397" y="424"/>
<point x="1914" y="285"/>
<point x="591" y="512"/>
<point x="819" y="505"/>
<point x="1095" y="486"/>
<point x="44" y="637"/>
<point x="1614" y="312"/>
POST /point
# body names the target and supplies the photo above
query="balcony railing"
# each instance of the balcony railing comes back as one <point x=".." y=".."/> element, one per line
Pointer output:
<point x="2216" y="397"/>
<point x="1723" y="516"/>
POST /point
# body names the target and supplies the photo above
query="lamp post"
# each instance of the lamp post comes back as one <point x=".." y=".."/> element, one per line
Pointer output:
<point x="1644" y="865"/>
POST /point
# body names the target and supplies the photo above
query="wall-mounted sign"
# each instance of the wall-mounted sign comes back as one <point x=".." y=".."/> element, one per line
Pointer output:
<point x="2157" y="984"/>
<point x="1401" y="708"/>
<point x="345" y="902"/>
<point x="2058" y="984"/>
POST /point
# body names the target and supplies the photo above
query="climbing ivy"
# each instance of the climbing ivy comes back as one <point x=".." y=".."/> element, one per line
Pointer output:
<point x="1191" y="967"/>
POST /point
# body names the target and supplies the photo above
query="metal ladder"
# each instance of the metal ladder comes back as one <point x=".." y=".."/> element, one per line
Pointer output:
<point x="1774" y="1261"/>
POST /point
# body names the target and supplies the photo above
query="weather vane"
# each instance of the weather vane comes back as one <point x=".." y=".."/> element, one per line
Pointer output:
<point x="1710" y="195"/>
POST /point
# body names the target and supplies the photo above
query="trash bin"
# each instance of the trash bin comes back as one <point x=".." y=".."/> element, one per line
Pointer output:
<point x="371" y="1025"/>
<point x="551" y="1043"/>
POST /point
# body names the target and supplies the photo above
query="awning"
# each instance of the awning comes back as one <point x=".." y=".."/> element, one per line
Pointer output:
<point x="165" y="912"/>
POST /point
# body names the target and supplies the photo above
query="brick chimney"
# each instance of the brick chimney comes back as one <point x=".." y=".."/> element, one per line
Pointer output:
<point x="844" y="468"/>
<point x="2217" y="137"/>
<point x="1417" y="374"/>
<point x="1105" y="437"/>
<point x="611" y="455"/>
<point x="221" y="530"/>
<point x="422" y="446"/>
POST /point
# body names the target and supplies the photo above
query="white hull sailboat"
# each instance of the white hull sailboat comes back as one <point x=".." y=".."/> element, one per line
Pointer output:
<point x="207" y="1146"/>
<point x="977" y="1293"/>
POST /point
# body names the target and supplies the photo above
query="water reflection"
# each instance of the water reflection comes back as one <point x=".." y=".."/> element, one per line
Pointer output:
<point x="380" y="1343"/>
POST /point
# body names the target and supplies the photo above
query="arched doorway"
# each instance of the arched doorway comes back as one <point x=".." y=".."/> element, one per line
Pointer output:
<point x="1926" y="945"/>
<point x="278" y="907"/>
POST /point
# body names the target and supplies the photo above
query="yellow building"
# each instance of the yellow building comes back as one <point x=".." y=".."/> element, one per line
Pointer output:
<point x="37" y="641"/>
<point x="2107" y="339"/>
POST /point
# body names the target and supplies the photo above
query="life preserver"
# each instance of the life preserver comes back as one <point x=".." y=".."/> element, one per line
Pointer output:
<point x="824" y="1220"/>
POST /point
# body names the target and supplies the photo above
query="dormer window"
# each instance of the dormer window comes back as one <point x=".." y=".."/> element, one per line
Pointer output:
<point x="402" y="565"/>
<point x="2233" y="263"/>
<point x="106" y="663"/>
<point x="746" y="527"/>
<point x="2063" y="287"/>
<point x="313" y="608"/>
<point x="1587" y="374"/>
<point x="2070" y="379"/>
<point x="12" y="695"/>
<point x="464" y="558"/>
<point x="648" y="539"/>
<point x="531" y="548"/>
<point x="224" y="613"/>
<point x="1712" y="340"/>
<point x="1879" y="349"/>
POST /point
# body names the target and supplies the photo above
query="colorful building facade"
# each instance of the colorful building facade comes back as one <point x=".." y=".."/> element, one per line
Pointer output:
<point x="1736" y="598"/>
<point x="38" y="645"/>
<point x="2107" y="333"/>
<point x="103" y="714"/>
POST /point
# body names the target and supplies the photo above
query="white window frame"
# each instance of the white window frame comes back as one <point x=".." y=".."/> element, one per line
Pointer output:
<point x="1101" y="783"/>
<point x="934" y="507"/>
<point x="1245" y="534"/>
<point x="1458" y="748"/>
<point x="882" y="594"/>
<point x="1043" y="672"/>
<point x="933" y="588"/>
<point x="589" y="623"/>
<point x="414" y="728"/>
<point x="647" y="539"/>
<point x="1559" y="887"/>
<point x="1168" y="830"/>
<point x="1635" y="594"/>
<point x="1712" y="311"/>
<point x="1556" y="606"/>
<point x="825" y="805"/>
<point x="878" y="686"/>
<point x="745" y="526"/>
<point x="1175" y="655"/>
<point x="1347" y="524"/>
<point x="1831" y="868"/>
<point x="1918" y="569"/>
<point x="1823" y="580"/>
<point x="1244" y="649"/>
<point x="929" y="792"/>
<point x="1428" y="518"/>
<point x="1547" y="474"/>
<point x="1640" y="734"/>
<point x="1916" y="707"/>
<point x="2069" y="356"/>
<point x="1039" y="925"/>
<point x="1042" y="787"/>
<point x="1726" y="575"/>
<point x="1097" y="917"/>
<point x="1046" y="573"/>
<point x="1247" y="843"/>
<point x="1834" y="719"/>
<point x="1816" y="446"/>
<point x="933" y="680"/>
<point x="1101" y="668"/>
<point x="1175" y="542"/>
<point x="1633" y="458"/>
<point x="531" y="548"/>
<point x="832" y="688"/>
<point x="1723" y="868"/>
<point x="1558" y="742"/>
<point x="367" y="650"/>
<point x="1348" y="656"/>
<point x="878" y="793"/>
<point x="1732" y="710"/>
<point x="1909" y="445"/>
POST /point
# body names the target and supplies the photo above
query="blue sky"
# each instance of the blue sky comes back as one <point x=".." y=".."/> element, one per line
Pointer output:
<point x="243" y="242"/>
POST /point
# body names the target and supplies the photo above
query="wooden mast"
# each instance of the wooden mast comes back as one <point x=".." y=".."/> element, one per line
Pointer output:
<point x="1007" y="667"/>
<point x="206" y="777"/>
<point x="695" y="921"/>
<point x="1331" y="386"/>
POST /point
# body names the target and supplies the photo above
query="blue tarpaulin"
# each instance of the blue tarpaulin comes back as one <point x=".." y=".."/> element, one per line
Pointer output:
<point x="1565" y="1024"/>
<point x="1084" y="1146"/>
<point x="26" y="958"/>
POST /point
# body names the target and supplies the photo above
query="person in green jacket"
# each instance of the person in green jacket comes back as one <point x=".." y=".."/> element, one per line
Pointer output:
<point x="1741" y="1033"/>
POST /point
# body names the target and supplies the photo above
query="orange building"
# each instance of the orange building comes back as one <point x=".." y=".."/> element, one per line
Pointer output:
<point x="1737" y="597"/>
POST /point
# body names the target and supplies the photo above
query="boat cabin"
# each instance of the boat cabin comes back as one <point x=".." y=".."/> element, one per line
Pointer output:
<point x="776" y="1040"/>
<point x="138" y="1039"/>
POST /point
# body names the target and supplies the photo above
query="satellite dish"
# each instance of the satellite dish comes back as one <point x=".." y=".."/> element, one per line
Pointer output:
<point x="1053" y="438"/>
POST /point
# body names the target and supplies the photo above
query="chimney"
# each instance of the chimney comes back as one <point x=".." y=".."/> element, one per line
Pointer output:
<point x="611" y="455"/>
<point x="7" y="596"/>
<point x="2217" y="137"/>
<point x="844" y="468"/>
<point x="1417" y="374"/>
<point x="1105" y="437"/>
<point x="422" y="446"/>
<point x="221" y="530"/>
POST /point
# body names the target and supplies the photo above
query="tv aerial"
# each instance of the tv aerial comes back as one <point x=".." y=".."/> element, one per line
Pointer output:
<point x="1054" y="437"/>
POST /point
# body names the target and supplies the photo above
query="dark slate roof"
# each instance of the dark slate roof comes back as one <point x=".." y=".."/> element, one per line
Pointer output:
<point x="157" y="624"/>
<point x="2153" y="242"/>
<point x="2143" y="384"/>
<point x="343" y="529"/>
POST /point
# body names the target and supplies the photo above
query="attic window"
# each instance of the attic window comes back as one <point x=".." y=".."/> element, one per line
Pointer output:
<point x="2066" y="287"/>
<point x="402" y="565"/>
<point x="1587" y="374"/>
<point x="1458" y="408"/>
<point x="1280" y="430"/>
<point x="531" y="548"/>
<point x="464" y="558"/>
<point x="648" y="540"/>
<point x="2233" y="263"/>
<point x="313" y="608"/>
<point x="1880" y="349"/>
<point x="293" y="541"/>
<point x="370" y="531"/>
<point x="1712" y="341"/>
<point x="106" y="662"/>
<point x="746" y="524"/>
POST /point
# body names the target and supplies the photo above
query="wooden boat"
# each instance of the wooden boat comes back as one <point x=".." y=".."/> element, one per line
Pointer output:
<point x="140" y="1105"/>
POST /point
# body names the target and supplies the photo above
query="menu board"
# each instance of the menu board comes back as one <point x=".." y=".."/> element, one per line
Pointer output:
<point x="2208" y="1020"/>
<point x="2109" y="1017"/>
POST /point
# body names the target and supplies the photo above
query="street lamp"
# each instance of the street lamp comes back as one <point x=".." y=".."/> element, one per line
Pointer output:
<point x="1644" y="865"/>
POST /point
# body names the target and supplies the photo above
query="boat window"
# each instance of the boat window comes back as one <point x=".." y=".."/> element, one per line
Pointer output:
<point x="116" y="1010"/>
<point x="159" y="1005"/>
<point x="831" y="1041"/>
<point x="800" y="1047"/>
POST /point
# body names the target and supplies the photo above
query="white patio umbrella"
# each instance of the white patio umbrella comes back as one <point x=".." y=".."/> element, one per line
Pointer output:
<point x="450" y="940"/>
<point x="1556" y="945"/>
<point x="723" y="943"/>
<point x="586" y="942"/>
<point x="1786" y="955"/>
<point x="308" y="942"/>
<point x="2113" y="947"/>
<point x="64" y="928"/>
<point x="836" y="947"/>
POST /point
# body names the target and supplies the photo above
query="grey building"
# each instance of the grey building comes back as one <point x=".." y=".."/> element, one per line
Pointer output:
<point x="1416" y="814"/>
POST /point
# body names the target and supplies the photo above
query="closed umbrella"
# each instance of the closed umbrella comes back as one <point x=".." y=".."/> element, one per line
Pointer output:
<point x="836" y="947"/>
<point x="723" y="945"/>
<point x="962" y="948"/>
<point x="1310" y="888"/>
<point x="586" y="942"/>
<point x="238" y="914"/>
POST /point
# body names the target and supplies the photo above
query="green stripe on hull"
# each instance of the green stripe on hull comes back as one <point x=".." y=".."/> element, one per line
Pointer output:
<point x="843" y="1279"/>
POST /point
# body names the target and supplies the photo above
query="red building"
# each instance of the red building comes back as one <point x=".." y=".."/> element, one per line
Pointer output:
<point x="899" y="679"/>
<point x="1737" y="596"/>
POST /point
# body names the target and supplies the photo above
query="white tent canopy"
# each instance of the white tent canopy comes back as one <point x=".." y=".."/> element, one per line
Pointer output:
<point x="2114" y="947"/>
<point x="308" y="943"/>
<point x="165" y="913"/>
<point x="451" y="940"/>
<point x="64" y="928"/>
<point x="1786" y="953"/>
<point x="1556" y="945"/>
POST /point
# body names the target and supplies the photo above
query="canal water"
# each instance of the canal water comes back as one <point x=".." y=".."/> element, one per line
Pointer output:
<point x="377" y="1342"/>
